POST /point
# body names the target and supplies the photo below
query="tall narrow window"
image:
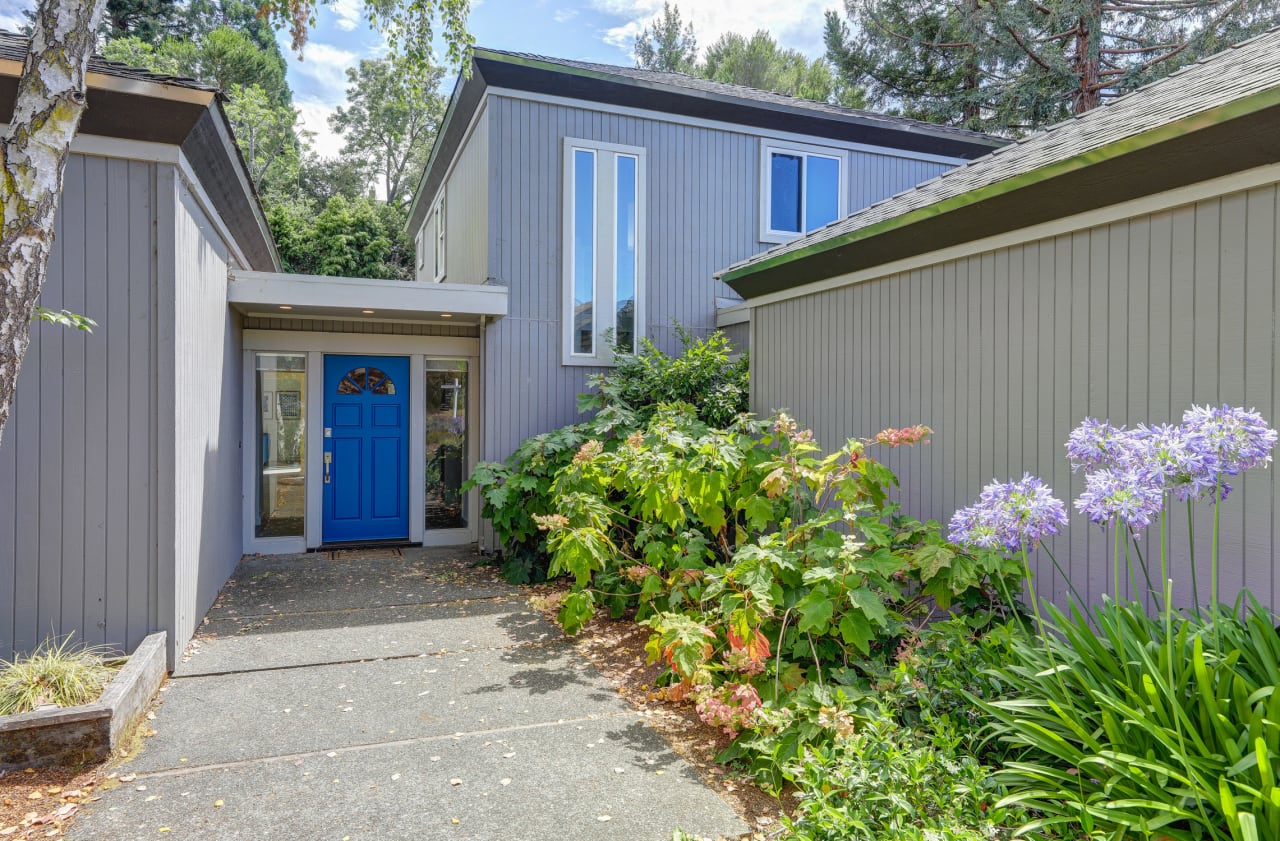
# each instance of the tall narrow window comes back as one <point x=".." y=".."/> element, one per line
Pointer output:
<point x="281" y="444"/>
<point x="625" y="252"/>
<point x="604" y="211"/>
<point x="446" y="450"/>
<point x="441" y="238"/>
<point x="802" y="190"/>
<point x="584" y="251"/>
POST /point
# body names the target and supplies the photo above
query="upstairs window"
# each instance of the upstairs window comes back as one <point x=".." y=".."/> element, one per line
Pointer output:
<point x="603" y="250"/>
<point x="440" y="239"/>
<point x="803" y="189"/>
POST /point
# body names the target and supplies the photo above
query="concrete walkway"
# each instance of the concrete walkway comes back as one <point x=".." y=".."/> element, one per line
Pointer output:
<point x="375" y="697"/>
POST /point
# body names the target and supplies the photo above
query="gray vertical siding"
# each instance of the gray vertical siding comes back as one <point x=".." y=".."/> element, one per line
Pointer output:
<point x="1003" y="353"/>
<point x="207" y="418"/>
<point x="467" y="215"/>
<point x="78" y="550"/>
<point x="874" y="177"/>
<point x="703" y="200"/>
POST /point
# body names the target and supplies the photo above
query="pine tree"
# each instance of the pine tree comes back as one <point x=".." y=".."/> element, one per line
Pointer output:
<point x="1014" y="65"/>
<point x="667" y="44"/>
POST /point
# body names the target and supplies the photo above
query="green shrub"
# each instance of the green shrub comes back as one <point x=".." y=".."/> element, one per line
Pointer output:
<point x="519" y="489"/>
<point x="885" y="782"/>
<point x="1134" y="726"/>
<point x="702" y="375"/>
<point x="775" y="579"/>
<point x="57" y="673"/>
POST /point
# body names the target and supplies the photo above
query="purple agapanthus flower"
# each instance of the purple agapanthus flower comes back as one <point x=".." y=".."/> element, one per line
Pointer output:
<point x="1171" y="458"/>
<point x="1012" y="516"/>
<point x="1094" y="444"/>
<point x="1230" y="439"/>
<point x="1123" y="494"/>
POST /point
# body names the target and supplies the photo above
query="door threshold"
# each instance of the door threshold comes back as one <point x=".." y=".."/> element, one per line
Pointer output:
<point x="366" y="544"/>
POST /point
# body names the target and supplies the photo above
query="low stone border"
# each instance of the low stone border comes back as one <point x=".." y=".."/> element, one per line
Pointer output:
<point x="90" y="732"/>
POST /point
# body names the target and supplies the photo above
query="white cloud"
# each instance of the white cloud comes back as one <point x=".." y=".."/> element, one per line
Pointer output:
<point x="314" y="117"/>
<point x="795" y="23"/>
<point x="326" y="65"/>
<point x="348" y="14"/>
<point x="564" y="15"/>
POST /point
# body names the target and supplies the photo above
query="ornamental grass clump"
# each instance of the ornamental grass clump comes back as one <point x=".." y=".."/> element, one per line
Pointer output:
<point x="1134" y="723"/>
<point x="56" y="673"/>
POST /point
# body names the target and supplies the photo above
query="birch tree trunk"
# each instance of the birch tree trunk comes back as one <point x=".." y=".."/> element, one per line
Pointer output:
<point x="33" y="157"/>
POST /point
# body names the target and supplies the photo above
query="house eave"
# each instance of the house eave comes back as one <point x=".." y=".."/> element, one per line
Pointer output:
<point x="277" y="295"/>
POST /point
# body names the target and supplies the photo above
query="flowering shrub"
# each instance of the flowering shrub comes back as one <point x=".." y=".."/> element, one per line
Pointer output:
<point x="730" y="706"/>
<point x="1130" y="725"/>
<point x="758" y="562"/>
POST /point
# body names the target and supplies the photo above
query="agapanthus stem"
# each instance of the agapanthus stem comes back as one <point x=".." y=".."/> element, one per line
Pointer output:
<point x="1213" y="565"/>
<point x="1115" y="565"/>
<point x="1191" y="542"/>
<point x="1074" y="592"/>
<point x="1142" y="562"/>
<point x="1164" y="561"/>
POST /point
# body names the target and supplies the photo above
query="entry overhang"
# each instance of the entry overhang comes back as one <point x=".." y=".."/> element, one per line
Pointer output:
<point x="280" y="295"/>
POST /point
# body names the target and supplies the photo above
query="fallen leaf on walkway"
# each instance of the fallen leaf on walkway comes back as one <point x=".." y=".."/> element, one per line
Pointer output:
<point x="455" y="821"/>
<point x="508" y="755"/>
<point x="455" y="782"/>
<point x="217" y="803"/>
<point x="603" y="818"/>
<point x="165" y="829"/>
<point x="395" y="776"/>
<point x="128" y="778"/>
<point x="505" y="781"/>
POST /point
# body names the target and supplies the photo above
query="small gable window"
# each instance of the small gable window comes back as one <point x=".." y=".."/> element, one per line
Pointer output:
<point x="802" y="189"/>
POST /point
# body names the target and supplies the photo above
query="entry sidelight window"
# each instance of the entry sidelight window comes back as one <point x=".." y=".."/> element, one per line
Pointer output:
<point x="281" y="444"/>
<point x="446" y="451"/>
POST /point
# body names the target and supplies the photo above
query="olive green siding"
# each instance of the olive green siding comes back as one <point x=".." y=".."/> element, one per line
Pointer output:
<point x="1004" y="352"/>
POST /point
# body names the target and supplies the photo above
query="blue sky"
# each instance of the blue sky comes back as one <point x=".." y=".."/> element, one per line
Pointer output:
<point x="591" y="30"/>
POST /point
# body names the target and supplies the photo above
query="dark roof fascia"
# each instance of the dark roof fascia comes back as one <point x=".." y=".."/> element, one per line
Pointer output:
<point x="203" y="135"/>
<point x="217" y="162"/>
<point x="468" y="92"/>
<point x="1236" y="136"/>
<point x="533" y="75"/>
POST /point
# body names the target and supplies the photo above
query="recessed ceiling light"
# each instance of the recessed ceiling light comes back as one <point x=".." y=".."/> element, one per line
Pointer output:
<point x="285" y="307"/>
<point x="367" y="312"/>
<point x="446" y="315"/>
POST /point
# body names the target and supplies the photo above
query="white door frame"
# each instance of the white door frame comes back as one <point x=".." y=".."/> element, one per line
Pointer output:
<point x="315" y="345"/>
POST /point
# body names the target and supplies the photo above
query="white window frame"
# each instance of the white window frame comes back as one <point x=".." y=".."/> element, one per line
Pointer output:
<point x="805" y="151"/>
<point x="441" y="239"/>
<point x="421" y="245"/>
<point x="604" y="278"/>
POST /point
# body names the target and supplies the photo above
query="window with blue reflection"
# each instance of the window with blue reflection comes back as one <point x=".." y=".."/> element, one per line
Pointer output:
<point x="625" y="287"/>
<point x="821" y="191"/>
<point x="785" y="181"/>
<point x="584" y="251"/>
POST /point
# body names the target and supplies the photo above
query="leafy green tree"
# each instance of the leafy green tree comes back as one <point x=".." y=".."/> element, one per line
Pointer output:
<point x="392" y="114"/>
<point x="1000" y="66"/>
<point x="149" y="20"/>
<point x="266" y="134"/>
<point x="348" y="237"/>
<point x="759" y="62"/>
<point x="50" y="100"/>
<point x="223" y="57"/>
<point x="320" y="179"/>
<point x="667" y="44"/>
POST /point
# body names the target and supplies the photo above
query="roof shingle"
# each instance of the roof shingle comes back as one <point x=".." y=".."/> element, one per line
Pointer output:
<point x="13" y="46"/>
<point x="697" y="85"/>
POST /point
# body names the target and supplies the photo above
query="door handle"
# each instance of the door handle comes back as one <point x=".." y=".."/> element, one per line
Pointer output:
<point x="328" y="460"/>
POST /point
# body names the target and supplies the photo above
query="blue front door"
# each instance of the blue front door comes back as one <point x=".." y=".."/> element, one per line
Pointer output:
<point x="366" y="448"/>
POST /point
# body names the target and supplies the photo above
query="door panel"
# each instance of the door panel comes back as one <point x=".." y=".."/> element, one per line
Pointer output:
<point x="366" y="409"/>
